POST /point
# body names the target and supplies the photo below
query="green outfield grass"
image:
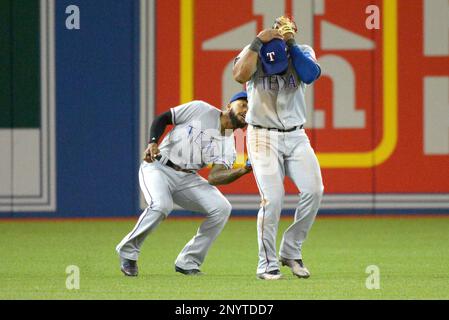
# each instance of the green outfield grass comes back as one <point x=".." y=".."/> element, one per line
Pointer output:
<point x="411" y="253"/>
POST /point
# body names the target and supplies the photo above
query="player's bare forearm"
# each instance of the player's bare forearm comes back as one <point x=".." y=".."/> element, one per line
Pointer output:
<point x="220" y="175"/>
<point x="245" y="66"/>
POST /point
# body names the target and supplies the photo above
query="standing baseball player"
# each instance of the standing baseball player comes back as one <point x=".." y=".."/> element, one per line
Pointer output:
<point x="276" y="71"/>
<point x="201" y="135"/>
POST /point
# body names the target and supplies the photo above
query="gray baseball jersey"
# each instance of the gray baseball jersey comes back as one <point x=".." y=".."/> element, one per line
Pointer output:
<point x="195" y="139"/>
<point x="277" y="101"/>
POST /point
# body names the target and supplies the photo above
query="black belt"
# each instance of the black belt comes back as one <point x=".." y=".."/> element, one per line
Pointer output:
<point x="280" y="130"/>
<point x="174" y="166"/>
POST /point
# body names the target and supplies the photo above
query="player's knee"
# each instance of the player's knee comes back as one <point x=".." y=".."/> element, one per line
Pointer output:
<point x="223" y="208"/>
<point x="162" y="206"/>
<point x="314" y="196"/>
<point x="318" y="191"/>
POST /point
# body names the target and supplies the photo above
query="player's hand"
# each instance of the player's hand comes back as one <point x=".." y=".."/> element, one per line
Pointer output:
<point x="287" y="35"/>
<point x="151" y="152"/>
<point x="286" y="27"/>
<point x="269" y="34"/>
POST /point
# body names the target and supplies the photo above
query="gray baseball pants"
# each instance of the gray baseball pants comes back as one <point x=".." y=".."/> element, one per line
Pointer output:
<point x="162" y="186"/>
<point x="274" y="155"/>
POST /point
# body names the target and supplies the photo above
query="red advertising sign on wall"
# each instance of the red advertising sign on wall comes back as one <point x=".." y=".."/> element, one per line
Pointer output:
<point x="379" y="115"/>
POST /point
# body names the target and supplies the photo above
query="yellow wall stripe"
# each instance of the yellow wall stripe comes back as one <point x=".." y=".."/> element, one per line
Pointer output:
<point x="390" y="79"/>
<point x="187" y="47"/>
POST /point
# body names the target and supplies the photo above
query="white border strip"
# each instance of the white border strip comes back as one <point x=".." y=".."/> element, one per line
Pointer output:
<point x="351" y="201"/>
<point x="52" y="108"/>
<point x="147" y="75"/>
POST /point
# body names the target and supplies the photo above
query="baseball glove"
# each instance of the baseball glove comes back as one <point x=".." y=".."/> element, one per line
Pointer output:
<point x="285" y="25"/>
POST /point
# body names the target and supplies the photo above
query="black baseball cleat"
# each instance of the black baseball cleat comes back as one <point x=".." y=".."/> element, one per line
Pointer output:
<point x="129" y="267"/>
<point x="191" y="272"/>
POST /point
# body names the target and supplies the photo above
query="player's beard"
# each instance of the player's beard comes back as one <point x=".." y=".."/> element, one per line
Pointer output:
<point x="235" y="120"/>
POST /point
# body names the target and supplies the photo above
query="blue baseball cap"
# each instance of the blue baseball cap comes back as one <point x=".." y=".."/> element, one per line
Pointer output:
<point x="274" y="57"/>
<point x="240" y="95"/>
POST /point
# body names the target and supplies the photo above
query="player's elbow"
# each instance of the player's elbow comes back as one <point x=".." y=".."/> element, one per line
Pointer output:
<point x="309" y="77"/>
<point x="240" y="80"/>
<point x="241" y="75"/>
<point x="312" y="74"/>
<point x="212" y="181"/>
<point x="308" y="80"/>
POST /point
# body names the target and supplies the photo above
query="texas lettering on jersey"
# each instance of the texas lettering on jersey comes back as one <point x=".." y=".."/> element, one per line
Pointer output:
<point x="277" y="82"/>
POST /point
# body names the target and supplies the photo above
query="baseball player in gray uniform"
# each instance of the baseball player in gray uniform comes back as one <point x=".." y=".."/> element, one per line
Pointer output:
<point x="201" y="135"/>
<point x="276" y="71"/>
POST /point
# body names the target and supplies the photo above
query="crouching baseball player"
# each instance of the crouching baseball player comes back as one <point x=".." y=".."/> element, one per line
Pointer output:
<point x="276" y="71"/>
<point x="201" y="135"/>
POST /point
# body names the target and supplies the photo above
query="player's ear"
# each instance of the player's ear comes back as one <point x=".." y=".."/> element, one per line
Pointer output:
<point x="228" y="107"/>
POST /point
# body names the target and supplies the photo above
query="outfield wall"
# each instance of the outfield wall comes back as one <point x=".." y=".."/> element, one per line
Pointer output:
<point x="78" y="102"/>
